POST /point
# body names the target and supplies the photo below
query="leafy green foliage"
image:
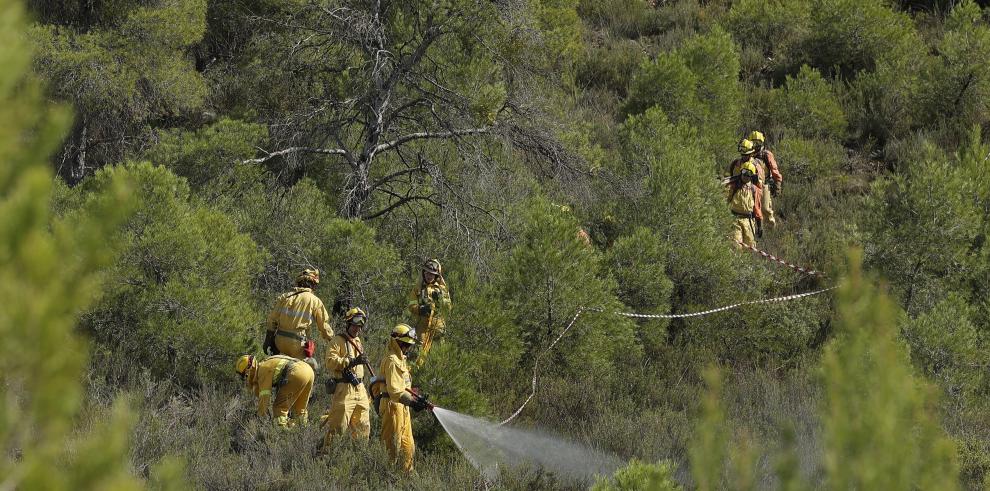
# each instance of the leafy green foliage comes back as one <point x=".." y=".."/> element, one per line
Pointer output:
<point x="178" y="301"/>
<point x="548" y="276"/>
<point x="638" y="263"/>
<point x="362" y="138"/>
<point x="641" y="475"/>
<point x="774" y="32"/>
<point x="959" y="83"/>
<point x="123" y="74"/>
<point x="48" y="272"/>
<point x="923" y="225"/>
<point x="696" y="84"/>
<point x="809" y="105"/>
<point x="879" y="426"/>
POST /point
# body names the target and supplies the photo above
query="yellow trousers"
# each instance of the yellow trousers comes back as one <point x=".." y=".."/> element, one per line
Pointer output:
<point x="397" y="433"/>
<point x="294" y="395"/>
<point x="767" y="204"/>
<point x="348" y="410"/>
<point x="289" y="347"/>
<point x="742" y="231"/>
<point x="426" y="342"/>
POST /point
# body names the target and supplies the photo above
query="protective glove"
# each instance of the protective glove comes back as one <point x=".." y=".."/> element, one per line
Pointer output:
<point x="269" y="345"/>
<point x="776" y="188"/>
<point x="425" y="309"/>
<point x="436" y="295"/>
<point x="759" y="229"/>
<point x="361" y="359"/>
<point x="420" y="403"/>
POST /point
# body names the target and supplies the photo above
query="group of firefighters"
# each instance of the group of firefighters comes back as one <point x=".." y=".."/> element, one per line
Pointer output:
<point x="289" y="370"/>
<point x="287" y="374"/>
<point x="748" y="179"/>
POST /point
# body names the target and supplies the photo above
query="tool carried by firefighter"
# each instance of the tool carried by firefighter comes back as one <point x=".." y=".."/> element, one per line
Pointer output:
<point x="349" y="403"/>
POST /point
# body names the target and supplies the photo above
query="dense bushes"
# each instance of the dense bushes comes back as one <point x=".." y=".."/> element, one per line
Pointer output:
<point x="178" y="300"/>
<point x="615" y="119"/>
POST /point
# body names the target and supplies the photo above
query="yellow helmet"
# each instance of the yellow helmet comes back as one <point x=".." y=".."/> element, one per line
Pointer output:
<point x="746" y="147"/>
<point x="432" y="266"/>
<point x="757" y="138"/>
<point x="747" y="167"/>
<point x="404" y="334"/>
<point x="309" y="274"/>
<point x="243" y="364"/>
<point x="355" y="316"/>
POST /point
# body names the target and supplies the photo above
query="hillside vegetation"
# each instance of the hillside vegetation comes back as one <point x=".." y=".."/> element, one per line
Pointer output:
<point x="171" y="165"/>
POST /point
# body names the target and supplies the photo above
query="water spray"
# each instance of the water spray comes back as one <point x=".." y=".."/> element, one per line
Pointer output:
<point x="491" y="446"/>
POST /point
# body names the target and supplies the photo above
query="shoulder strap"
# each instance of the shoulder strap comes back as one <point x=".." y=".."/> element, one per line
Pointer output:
<point x="347" y="345"/>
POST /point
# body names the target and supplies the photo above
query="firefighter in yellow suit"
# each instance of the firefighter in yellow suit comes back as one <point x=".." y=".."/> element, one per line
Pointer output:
<point x="294" y="315"/>
<point x="346" y="360"/>
<point x="742" y="197"/>
<point x="289" y="378"/>
<point x="391" y="393"/>
<point x="429" y="303"/>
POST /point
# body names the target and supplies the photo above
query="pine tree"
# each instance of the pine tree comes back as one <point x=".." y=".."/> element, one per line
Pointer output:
<point x="880" y="428"/>
<point x="48" y="272"/>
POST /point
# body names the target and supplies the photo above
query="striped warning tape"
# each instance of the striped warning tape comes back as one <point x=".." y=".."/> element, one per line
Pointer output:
<point x="536" y="366"/>
<point x="582" y="310"/>
<point x="795" y="267"/>
<point x="721" y="309"/>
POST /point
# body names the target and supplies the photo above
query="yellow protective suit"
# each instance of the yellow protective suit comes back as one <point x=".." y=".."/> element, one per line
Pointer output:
<point x="742" y="203"/>
<point x="349" y="405"/>
<point x="292" y="382"/>
<point x="292" y="318"/>
<point x="396" y="421"/>
<point x="429" y="324"/>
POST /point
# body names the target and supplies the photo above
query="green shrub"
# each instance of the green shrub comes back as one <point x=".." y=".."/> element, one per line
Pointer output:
<point x="773" y="31"/>
<point x="696" y="84"/>
<point x="880" y="429"/>
<point x="946" y="345"/>
<point x="849" y="36"/>
<point x="639" y="264"/>
<point x="810" y="160"/>
<point x="808" y="106"/>
<point x="626" y="18"/>
<point x="922" y="243"/>
<point x="49" y="271"/>
<point x="610" y="66"/>
<point x="209" y="159"/>
<point x="548" y="275"/>
<point x="178" y="301"/>
<point x="640" y="476"/>
<point x="958" y="83"/>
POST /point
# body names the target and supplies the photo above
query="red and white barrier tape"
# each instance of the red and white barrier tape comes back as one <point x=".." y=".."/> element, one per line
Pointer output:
<point x="536" y="365"/>
<point x="722" y="309"/>
<point x="807" y="271"/>
<point x="649" y="316"/>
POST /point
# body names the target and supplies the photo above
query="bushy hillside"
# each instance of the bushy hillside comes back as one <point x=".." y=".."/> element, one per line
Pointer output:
<point x="554" y="155"/>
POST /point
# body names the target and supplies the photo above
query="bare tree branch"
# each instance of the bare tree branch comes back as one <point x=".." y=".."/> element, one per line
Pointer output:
<point x="422" y="135"/>
<point x="290" y="150"/>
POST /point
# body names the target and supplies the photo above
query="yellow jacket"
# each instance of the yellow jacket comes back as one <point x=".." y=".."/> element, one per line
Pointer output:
<point x="424" y="294"/>
<point x="299" y="310"/>
<point x="339" y="355"/>
<point x="396" y="373"/>
<point x="270" y="372"/>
